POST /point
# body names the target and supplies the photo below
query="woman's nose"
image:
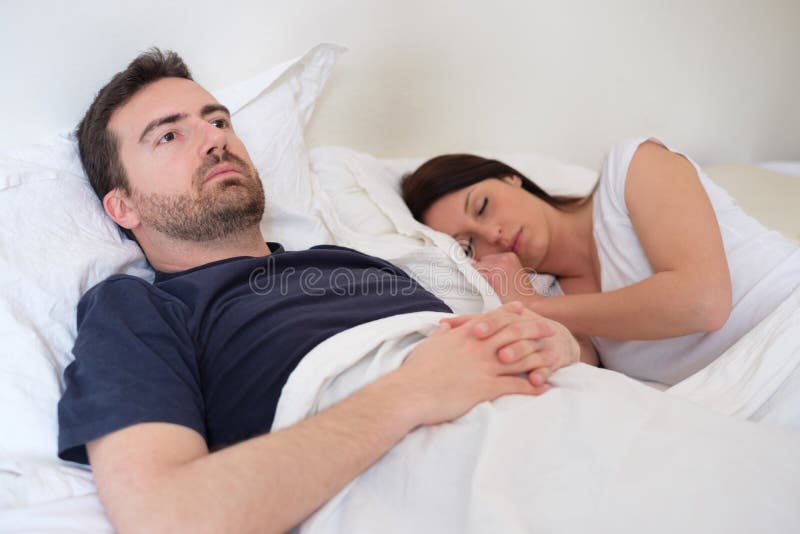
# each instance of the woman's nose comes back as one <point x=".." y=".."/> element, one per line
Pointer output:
<point x="490" y="239"/>
<point x="496" y="235"/>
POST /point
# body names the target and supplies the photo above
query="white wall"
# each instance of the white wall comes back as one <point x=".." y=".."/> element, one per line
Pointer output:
<point x="716" y="78"/>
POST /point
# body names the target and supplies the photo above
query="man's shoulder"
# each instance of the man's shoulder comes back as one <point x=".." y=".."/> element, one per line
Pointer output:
<point x="347" y="255"/>
<point x="121" y="292"/>
<point x="335" y="247"/>
<point x="119" y="283"/>
<point x="345" y="251"/>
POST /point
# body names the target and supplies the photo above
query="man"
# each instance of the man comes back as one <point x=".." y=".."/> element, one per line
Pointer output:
<point x="174" y="385"/>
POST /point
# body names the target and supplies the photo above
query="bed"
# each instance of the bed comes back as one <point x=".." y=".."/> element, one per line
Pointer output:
<point x="713" y="453"/>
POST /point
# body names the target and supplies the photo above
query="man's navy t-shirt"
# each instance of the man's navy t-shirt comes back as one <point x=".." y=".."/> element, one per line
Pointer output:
<point x="210" y="348"/>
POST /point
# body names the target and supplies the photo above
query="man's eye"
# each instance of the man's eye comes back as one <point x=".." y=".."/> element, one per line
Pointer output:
<point x="166" y="138"/>
<point x="220" y="123"/>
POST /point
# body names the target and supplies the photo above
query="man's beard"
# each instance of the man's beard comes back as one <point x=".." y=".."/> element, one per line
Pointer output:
<point x="208" y="213"/>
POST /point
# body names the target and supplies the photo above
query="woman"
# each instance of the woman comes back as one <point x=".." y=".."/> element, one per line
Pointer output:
<point x="658" y="265"/>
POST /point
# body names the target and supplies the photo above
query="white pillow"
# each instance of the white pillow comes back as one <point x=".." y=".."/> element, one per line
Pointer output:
<point x="270" y="114"/>
<point x="363" y="207"/>
<point x="56" y="243"/>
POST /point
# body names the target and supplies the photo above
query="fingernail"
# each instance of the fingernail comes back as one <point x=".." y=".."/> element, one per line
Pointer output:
<point x="509" y="354"/>
<point x="482" y="328"/>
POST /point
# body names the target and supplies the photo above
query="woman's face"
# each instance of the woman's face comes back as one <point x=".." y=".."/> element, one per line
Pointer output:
<point x="494" y="216"/>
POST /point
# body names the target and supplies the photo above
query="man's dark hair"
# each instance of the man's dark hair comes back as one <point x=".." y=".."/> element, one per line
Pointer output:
<point x="98" y="146"/>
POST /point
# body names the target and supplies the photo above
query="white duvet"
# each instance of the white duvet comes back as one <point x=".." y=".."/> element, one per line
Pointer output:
<point x="599" y="453"/>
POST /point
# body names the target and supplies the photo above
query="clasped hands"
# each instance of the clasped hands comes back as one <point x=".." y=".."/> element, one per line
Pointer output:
<point x="476" y="358"/>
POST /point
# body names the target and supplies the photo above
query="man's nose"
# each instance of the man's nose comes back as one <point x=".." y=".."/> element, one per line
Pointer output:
<point x="213" y="139"/>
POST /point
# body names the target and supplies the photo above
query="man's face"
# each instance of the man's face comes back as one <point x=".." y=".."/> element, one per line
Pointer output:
<point x="190" y="176"/>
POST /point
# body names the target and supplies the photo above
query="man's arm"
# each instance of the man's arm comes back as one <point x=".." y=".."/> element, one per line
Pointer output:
<point x="158" y="477"/>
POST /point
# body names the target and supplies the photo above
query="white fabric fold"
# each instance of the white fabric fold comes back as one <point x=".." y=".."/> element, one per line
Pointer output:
<point x="600" y="452"/>
<point x="758" y="378"/>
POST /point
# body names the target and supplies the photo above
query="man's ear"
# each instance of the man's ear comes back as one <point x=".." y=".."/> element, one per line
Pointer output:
<point x="514" y="180"/>
<point x="118" y="206"/>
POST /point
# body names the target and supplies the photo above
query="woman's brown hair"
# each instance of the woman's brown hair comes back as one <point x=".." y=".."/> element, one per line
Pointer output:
<point x="444" y="174"/>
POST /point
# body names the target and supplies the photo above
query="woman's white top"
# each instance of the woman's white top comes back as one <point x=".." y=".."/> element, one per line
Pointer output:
<point x="764" y="267"/>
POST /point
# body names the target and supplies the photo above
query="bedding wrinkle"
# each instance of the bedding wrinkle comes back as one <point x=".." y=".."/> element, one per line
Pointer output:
<point x="758" y="378"/>
<point x="576" y="459"/>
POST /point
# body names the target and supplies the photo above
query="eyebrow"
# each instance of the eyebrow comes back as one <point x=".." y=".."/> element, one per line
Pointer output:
<point x="208" y="109"/>
<point x="169" y="119"/>
<point x="466" y="201"/>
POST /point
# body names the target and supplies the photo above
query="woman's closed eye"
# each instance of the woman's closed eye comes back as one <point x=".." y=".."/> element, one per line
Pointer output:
<point x="483" y="206"/>
<point x="469" y="249"/>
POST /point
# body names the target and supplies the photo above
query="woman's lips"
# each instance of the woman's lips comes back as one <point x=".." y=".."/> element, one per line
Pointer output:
<point x="517" y="242"/>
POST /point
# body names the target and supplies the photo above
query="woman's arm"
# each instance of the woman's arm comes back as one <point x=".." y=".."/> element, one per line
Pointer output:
<point x="676" y="225"/>
<point x="588" y="351"/>
<point x="690" y="290"/>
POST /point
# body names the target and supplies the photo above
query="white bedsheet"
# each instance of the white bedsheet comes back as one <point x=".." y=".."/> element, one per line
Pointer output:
<point x="599" y="453"/>
<point x="758" y="378"/>
<point x="76" y="515"/>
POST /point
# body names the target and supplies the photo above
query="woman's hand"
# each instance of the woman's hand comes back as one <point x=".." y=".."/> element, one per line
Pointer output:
<point x="458" y="366"/>
<point x="538" y="356"/>
<point x="509" y="279"/>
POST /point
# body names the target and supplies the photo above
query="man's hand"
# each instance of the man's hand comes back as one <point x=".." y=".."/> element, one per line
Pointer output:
<point x="509" y="279"/>
<point x="540" y="357"/>
<point x="472" y="359"/>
